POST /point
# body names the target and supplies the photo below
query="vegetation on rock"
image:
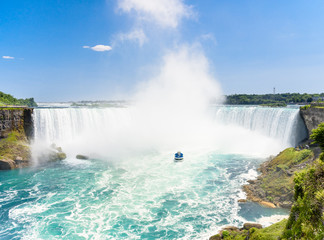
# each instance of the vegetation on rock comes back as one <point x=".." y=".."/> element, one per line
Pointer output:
<point x="14" y="150"/>
<point x="318" y="137"/>
<point x="306" y="220"/>
<point x="276" y="182"/>
<point x="7" y="99"/>
<point x="272" y="232"/>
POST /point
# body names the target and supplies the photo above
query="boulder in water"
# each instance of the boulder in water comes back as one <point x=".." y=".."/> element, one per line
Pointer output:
<point x="83" y="157"/>
<point x="52" y="154"/>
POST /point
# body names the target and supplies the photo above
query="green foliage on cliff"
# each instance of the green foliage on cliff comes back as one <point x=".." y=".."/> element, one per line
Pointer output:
<point x="318" y="137"/>
<point x="305" y="107"/>
<point x="275" y="99"/>
<point x="7" y="99"/>
<point x="277" y="182"/>
<point x="272" y="232"/>
<point x="290" y="157"/>
<point x="306" y="220"/>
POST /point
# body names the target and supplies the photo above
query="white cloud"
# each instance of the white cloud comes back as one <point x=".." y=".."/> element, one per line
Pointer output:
<point x="166" y="13"/>
<point x="8" y="57"/>
<point x="99" y="48"/>
<point x="135" y="35"/>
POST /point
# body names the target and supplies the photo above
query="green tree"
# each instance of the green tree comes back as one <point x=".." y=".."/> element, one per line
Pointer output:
<point x="318" y="137"/>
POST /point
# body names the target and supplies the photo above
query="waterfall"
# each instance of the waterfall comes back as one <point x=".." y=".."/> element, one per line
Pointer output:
<point x="119" y="130"/>
<point x="284" y="124"/>
<point x="61" y="124"/>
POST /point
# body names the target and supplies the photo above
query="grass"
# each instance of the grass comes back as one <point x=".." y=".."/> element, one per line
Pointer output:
<point x="15" y="145"/>
<point x="272" y="232"/>
<point x="290" y="157"/>
<point x="278" y="182"/>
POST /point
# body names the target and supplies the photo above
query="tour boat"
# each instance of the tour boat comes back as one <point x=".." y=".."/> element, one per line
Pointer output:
<point x="178" y="157"/>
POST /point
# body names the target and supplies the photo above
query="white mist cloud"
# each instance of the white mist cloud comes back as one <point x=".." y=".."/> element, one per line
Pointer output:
<point x="7" y="57"/>
<point x="166" y="13"/>
<point x="99" y="48"/>
<point x="136" y="35"/>
<point x="172" y="108"/>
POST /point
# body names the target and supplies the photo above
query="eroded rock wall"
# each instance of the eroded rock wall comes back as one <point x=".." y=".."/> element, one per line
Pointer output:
<point x="16" y="119"/>
<point x="312" y="116"/>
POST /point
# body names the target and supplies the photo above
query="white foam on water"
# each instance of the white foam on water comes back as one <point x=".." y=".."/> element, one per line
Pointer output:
<point x="267" y="221"/>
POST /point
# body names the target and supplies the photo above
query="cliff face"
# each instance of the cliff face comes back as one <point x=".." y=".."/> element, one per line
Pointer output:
<point x="312" y="116"/>
<point x="16" y="128"/>
<point x="18" y="119"/>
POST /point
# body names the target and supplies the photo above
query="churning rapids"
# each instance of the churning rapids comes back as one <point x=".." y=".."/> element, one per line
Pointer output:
<point x="130" y="188"/>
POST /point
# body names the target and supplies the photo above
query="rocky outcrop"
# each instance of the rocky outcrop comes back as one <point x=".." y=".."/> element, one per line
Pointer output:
<point x="51" y="154"/>
<point x="16" y="119"/>
<point x="251" y="231"/>
<point x="16" y="128"/>
<point x="275" y="186"/>
<point x="248" y="226"/>
<point x="312" y="116"/>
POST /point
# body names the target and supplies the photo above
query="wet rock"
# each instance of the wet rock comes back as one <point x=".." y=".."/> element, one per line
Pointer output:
<point x="216" y="237"/>
<point x="242" y="200"/>
<point x="83" y="157"/>
<point x="267" y="204"/>
<point x="248" y="226"/>
<point x="52" y="154"/>
<point x="7" y="164"/>
<point x="286" y="204"/>
<point x="231" y="228"/>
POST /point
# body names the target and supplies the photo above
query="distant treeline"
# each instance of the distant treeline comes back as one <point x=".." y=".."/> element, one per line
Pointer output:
<point x="7" y="99"/>
<point x="274" y="99"/>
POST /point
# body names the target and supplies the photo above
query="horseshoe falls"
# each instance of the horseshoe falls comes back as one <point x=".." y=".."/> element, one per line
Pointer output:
<point x="130" y="187"/>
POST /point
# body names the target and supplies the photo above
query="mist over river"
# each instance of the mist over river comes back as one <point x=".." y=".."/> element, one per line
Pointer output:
<point x="131" y="188"/>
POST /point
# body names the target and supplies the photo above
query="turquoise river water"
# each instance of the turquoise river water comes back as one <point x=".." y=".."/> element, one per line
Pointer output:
<point x="145" y="195"/>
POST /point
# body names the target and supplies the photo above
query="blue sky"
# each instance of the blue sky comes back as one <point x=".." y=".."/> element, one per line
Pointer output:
<point x="46" y="47"/>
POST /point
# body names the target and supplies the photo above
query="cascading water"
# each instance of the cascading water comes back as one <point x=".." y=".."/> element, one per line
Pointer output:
<point x="91" y="129"/>
<point x="142" y="195"/>
<point x="283" y="124"/>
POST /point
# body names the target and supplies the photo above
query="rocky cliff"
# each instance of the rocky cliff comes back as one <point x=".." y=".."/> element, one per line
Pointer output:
<point x="312" y="115"/>
<point x="19" y="119"/>
<point x="16" y="128"/>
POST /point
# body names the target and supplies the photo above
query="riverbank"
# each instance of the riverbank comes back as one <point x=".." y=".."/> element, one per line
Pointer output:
<point x="275" y="185"/>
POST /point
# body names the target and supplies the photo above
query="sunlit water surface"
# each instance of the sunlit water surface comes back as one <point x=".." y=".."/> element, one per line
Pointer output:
<point x="150" y="197"/>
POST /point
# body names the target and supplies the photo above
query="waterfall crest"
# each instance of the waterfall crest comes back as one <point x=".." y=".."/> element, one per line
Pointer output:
<point x="101" y="130"/>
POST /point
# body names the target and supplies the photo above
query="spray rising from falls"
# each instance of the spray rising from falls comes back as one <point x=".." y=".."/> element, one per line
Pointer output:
<point x="171" y="112"/>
